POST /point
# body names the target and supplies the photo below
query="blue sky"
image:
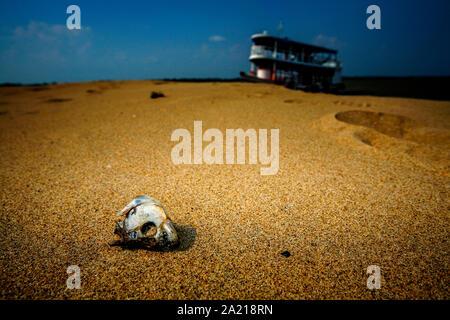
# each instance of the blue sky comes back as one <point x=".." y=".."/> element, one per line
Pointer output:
<point x="165" y="39"/>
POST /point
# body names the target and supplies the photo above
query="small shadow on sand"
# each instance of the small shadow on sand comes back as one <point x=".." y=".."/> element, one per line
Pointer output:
<point x="35" y="89"/>
<point x="58" y="100"/>
<point x="93" y="91"/>
<point x="355" y="92"/>
<point x="187" y="235"/>
<point x="293" y="101"/>
<point x="31" y="112"/>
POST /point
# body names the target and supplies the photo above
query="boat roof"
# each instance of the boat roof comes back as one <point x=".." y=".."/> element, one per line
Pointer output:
<point x="284" y="44"/>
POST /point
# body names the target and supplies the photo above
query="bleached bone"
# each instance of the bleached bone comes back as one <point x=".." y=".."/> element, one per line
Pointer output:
<point x="141" y="213"/>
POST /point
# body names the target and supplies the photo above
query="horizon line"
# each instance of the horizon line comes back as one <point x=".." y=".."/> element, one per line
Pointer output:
<point x="203" y="79"/>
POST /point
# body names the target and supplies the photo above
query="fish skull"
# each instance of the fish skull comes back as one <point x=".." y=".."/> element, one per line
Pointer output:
<point x="143" y="214"/>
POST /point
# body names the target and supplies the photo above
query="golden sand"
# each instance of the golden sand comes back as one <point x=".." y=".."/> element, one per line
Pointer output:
<point x="368" y="189"/>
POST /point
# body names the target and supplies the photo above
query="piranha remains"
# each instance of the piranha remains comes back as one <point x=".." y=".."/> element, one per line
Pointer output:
<point x="146" y="218"/>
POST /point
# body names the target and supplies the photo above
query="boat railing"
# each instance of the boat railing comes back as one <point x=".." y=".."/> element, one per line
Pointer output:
<point x="261" y="51"/>
<point x="258" y="51"/>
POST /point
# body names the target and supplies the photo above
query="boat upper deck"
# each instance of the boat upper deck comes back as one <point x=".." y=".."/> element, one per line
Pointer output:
<point x="284" y="44"/>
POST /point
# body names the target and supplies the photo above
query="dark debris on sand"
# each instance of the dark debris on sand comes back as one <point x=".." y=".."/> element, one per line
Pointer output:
<point x="286" y="254"/>
<point x="156" y="95"/>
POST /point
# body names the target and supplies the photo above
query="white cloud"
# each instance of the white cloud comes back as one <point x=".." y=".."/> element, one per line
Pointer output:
<point x="322" y="40"/>
<point x="217" y="38"/>
<point x="51" y="43"/>
<point x="38" y="52"/>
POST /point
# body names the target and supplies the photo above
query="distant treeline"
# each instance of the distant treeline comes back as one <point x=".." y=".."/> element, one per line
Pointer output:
<point x="18" y="84"/>
<point x="203" y="79"/>
<point x="433" y="87"/>
<point x="15" y="84"/>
